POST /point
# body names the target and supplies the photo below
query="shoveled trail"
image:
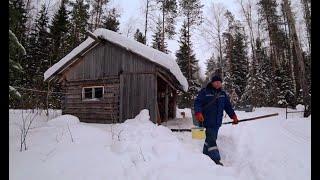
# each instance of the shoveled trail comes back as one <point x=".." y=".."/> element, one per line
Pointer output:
<point x="270" y="148"/>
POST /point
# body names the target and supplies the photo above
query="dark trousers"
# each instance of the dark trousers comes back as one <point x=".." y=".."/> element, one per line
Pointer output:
<point x="210" y="147"/>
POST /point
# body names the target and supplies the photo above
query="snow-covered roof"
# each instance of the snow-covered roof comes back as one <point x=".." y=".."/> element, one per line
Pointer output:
<point x="149" y="53"/>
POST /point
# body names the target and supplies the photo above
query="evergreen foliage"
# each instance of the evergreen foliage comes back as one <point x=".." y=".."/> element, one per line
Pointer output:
<point x="189" y="66"/>
<point x="79" y="22"/>
<point x="157" y="40"/>
<point x="138" y="36"/>
<point x="111" y="20"/>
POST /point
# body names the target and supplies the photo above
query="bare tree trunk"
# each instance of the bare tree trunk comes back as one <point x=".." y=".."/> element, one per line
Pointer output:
<point x="220" y="52"/>
<point x="301" y="63"/>
<point x="188" y="42"/>
<point x="273" y="54"/>
<point x="97" y="14"/>
<point x="162" y="39"/>
<point x="47" y="100"/>
<point x="146" y="24"/>
<point x="289" y="50"/>
<point x="307" y="18"/>
<point x="247" y="13"/>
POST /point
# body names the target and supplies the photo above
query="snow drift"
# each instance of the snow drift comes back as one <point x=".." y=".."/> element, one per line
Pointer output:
<point x="272" y="148"/>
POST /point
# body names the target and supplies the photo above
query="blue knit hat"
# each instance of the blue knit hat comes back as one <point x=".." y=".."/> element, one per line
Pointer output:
<point x="216" y="78"/>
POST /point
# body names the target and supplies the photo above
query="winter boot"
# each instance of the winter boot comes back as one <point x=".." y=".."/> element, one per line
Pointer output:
<point x="218" y="163"/>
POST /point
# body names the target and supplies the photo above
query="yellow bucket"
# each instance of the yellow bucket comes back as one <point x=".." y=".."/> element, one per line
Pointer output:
<point x="198" y="133"/>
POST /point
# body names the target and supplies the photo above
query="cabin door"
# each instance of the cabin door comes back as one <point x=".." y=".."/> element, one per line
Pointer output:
<point x="137" y="92"/>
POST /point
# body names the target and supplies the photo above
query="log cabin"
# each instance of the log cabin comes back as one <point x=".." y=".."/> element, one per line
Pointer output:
<point x="109" y="78"/>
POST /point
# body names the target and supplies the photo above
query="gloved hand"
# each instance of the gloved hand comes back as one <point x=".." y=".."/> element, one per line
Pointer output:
<point x="235" y="119"/>
<point x="199" y="116"/>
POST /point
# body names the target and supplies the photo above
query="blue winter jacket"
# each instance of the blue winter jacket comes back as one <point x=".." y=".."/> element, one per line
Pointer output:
<point x="213" y="113"/>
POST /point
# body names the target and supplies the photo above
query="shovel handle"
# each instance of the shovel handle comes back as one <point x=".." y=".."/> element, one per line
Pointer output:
<point x="254" y="118"/>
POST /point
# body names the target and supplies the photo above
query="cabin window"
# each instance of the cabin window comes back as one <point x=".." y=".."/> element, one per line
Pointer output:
<point x="92" y="93"/>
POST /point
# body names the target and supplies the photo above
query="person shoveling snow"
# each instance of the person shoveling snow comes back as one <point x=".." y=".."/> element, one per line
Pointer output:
<point x="208" y="107"/>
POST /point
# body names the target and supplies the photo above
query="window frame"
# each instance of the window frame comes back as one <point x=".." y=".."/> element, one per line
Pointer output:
<point x="93" y="98"/>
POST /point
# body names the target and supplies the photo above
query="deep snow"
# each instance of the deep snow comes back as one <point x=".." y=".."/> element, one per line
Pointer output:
<point x="270" y="148"/>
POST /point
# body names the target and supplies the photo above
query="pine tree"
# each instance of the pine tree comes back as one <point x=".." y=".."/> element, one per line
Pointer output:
<point x="157" y="40"/>
<point x="307" y="18"/>
<point x="79" y="22"/>
<point x="269" y="15"/>
<point x="96" y="13"/>
<point x="189" y="66"/>
<point x="138" y="36"/>
<point x="111" y="20"/>
<point x="301" y="61"/>
<point x="59" y="33"/>
<point x="282" y="57"/>
<point x="169" y="13"/>
<point x="192" y="11"/>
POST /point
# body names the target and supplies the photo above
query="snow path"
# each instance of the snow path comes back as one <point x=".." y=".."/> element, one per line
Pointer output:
<point x="270" y="148"/>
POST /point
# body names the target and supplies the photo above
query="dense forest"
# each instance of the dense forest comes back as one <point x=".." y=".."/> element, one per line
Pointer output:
<point x="261" y="55"/>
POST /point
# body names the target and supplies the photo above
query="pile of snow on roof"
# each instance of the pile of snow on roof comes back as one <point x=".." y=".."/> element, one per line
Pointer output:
<point x="154" y="55"/>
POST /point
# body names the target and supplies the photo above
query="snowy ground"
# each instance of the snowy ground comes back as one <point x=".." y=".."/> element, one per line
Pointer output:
<point x="270" y="148"/>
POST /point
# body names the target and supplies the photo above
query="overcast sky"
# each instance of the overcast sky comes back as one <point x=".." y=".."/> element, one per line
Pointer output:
<point x="131" y="12"/>
<point x="132" y="15"/>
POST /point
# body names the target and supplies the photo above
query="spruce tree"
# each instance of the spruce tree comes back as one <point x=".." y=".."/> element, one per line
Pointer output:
<point x="39" y="49"/>
<point x="189" y="66"/>
<point x="111" y="20"/>
<point x="266" y="75"/>
<point x="17" y="26"/>
<point x="59" y="33"/>
<point x="61" y="44"/>
<point x="236" y="57"/>
<point x="79" y="22"/>
<point x="16" y="51"/>
<point x="138" y="36"/>
<point x="211" y="67"/>
<point x="37" y="60"/>
<point x="18" y="19"/>
<point x="239" y="61"/>
<point x="157" y="40"/>
<point x="286" y="96"/>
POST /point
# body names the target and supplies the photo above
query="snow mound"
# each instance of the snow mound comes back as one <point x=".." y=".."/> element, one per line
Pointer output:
<point x="300" y="107"/>
<point x="64" y="120"/>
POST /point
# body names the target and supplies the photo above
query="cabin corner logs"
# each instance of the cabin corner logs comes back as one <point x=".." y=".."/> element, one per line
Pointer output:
<point x="130" y="83"/>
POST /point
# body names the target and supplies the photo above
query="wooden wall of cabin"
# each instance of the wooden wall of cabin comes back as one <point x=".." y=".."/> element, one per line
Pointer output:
<point x="105" y="110"/>
<point x="108" y="59"/>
